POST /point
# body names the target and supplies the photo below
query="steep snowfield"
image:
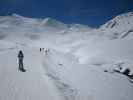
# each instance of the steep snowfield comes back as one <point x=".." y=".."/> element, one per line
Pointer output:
<point x="119" y="27"/>
<point x="81" y="63"/>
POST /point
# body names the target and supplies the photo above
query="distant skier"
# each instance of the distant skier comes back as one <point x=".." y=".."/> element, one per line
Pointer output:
<point x="20" y="57"/>
<point x="46" y="51"/>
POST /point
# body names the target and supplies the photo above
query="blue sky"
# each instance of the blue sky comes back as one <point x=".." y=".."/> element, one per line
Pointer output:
<point x="89" y="12"/>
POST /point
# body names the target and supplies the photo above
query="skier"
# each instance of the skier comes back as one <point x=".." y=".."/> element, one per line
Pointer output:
<point x="20" y="57"/>
<point x="46" y="51"/>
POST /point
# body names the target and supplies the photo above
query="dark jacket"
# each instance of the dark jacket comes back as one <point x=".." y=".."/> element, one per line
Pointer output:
<point x="20" y="55"/>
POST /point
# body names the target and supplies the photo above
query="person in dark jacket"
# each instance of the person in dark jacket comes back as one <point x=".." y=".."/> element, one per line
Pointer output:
<point x="20" y="59"/>
<point x="40" y="49"/>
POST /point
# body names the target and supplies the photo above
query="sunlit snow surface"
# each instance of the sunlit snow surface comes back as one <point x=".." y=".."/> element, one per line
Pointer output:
<point x="77" y="63"/>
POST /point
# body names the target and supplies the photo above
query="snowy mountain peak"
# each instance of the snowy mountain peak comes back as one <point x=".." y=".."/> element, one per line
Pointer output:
<point x="16" y="15"/>
<point x="119" y="27"/>
<point x="53" y="23"/>
<point x="129" y="14"/>
<point x="12" y="20"/>
<point x="118" y="21"/>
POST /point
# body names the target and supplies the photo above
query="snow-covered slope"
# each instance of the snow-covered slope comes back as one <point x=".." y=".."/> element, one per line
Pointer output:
<point x="31" y="85"/>
<point x="77" y="63"/>
<point x="79" y="28"/>
<point x="119" y="27"/>
<point x="89" y="82"/>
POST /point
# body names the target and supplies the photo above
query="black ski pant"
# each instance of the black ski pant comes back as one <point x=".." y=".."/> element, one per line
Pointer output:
<point x="21" y="66"/>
